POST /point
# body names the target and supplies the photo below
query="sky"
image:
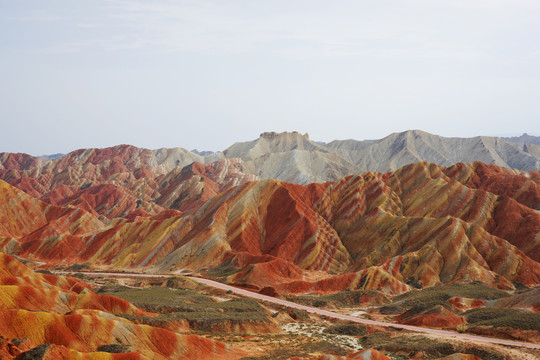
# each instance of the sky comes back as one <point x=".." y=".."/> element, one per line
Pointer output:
<point x="205" y="74"/>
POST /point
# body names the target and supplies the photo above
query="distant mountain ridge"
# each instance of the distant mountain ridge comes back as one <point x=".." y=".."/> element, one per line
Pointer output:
<point x="295" y="158"/>
<point x="525" y="138"/>
<point x="51" y="157"/>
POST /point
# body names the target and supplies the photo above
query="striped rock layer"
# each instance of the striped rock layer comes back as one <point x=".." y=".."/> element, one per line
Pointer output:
<point x="422" y="225"/>
<point x="123" y="181"/>
<point x="63" y="312"/>
<point x="290" y="157"/>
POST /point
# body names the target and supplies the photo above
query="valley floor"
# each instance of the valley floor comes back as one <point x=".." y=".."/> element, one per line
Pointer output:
<point x="302" y="329"/>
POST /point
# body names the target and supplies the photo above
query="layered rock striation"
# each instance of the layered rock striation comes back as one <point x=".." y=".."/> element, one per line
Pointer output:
<point x="61" y="317"/>
<point x="422" y="225"/>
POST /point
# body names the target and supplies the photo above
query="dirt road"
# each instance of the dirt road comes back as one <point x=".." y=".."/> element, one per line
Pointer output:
<point x="330" y="313"/>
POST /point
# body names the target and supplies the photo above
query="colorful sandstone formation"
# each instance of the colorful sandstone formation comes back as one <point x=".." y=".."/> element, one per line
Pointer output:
<point x="61" y="318"/>
<point x="438" y="317"/>
<point x="115" y="181"/>
<point x="162" y="211"/>
<point x="422" y="225"/>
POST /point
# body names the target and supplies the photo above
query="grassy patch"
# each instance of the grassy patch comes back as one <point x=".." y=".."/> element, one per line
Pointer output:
<point x="201" y="311"/>
<point x="302" y="349"/>
<point x="499" y="317"/>
<point x="410" y="344"/>
<point x="36" y="353"/>
<point x="343" y="298"/>
<point x="227" y="268"/>
<point x="78" y="267"/>
<point x="421" y="300"/>
<point x="114" y="348"/>
<point x="416" y="344"/>
<point x="347" y="329"/>
<point x="156" y="296"/>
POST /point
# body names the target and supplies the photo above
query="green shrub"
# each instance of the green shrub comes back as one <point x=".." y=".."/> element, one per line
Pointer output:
<point x="201" y="311"/>
<point x="36" y="353"/>
<point x="114" y="348"/>
<point x="428" y="298"/>
<point x="347" y="329"/>
<point x="500" y="317"/>
<point x="343" y="298"/>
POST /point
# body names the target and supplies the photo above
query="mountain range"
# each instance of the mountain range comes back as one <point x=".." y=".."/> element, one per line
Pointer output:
<point x="279" y="215"/>
<point x="293" y="157"/>
<point x="421" y="225"/>
<point x="524" y="138"/>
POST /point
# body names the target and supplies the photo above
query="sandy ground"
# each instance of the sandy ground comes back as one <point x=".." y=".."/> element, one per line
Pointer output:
<point x="314" y="331"/>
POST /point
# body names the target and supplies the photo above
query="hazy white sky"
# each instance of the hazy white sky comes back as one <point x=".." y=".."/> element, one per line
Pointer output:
<point x="204" y="74"/>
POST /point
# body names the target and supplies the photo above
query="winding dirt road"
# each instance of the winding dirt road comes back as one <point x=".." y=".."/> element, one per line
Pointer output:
<point x="327" y="313"/>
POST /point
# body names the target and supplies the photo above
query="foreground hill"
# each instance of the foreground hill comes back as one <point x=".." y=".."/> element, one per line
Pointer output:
<point x="422" y="225"/>
<point x="50" y="317"/>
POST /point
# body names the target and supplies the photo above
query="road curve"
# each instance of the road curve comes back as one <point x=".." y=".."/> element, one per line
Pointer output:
<point x="327" y="313"/>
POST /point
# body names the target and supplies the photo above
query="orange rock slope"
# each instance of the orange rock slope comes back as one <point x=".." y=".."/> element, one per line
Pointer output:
<point x="66" y="320"/>
<point x="438" y="317"/>
<point x="422" y="225"/>
<point x="115" y="181"/>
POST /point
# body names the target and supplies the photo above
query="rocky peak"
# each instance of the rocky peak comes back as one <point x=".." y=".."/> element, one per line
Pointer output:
<point x="270" y="135"/>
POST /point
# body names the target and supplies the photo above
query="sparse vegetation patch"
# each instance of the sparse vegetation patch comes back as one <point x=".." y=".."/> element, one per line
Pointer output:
<point x="499" y="317"/>
<point x="418" y="301"/>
